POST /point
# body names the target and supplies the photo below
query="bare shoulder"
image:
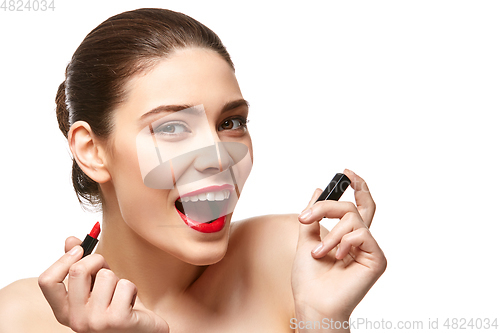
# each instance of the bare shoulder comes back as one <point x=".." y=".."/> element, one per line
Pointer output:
<point x="269" y="240"/>
<point x="23" y="308"/>
<point x="267" y="224"/>
<point x="268" y="236"/>
<point x="267" y="245"/>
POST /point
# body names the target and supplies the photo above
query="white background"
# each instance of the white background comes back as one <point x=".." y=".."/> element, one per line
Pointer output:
<point x="405" y="93"/>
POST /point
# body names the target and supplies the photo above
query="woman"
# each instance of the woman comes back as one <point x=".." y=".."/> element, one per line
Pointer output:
<point x="156" y="123"/>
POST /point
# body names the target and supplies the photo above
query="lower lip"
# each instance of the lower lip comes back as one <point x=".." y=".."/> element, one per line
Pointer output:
<point x="214" y="226"/>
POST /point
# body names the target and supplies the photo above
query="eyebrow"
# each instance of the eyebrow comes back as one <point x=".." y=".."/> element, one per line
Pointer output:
<point x="174" y="108"/>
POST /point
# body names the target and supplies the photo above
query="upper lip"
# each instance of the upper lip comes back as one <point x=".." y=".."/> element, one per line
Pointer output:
<point x="212" y="188"/>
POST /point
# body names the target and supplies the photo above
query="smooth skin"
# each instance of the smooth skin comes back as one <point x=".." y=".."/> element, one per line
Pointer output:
<point x="148" y="279"/>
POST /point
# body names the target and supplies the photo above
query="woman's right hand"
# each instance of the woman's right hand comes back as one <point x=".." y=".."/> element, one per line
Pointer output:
<point x="109" y="305"/>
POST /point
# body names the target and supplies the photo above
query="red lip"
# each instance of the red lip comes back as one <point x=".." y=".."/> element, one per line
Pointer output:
<point x="214" y="226"/>
<point x="212" y="188"/>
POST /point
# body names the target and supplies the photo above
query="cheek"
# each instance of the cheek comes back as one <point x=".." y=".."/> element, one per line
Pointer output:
<point x="134" y="198"/>
<point x="125" y="171"/>
<point x="243" y="166"/>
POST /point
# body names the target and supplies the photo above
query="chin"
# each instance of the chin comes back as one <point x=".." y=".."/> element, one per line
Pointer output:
<point x="205" y="254"/>
<point x="195" y="247"/>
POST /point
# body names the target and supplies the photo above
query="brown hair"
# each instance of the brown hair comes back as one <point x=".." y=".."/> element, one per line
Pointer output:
<point x="121" y="46"/>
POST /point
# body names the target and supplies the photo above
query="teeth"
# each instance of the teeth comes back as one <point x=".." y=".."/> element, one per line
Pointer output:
<point x="210" y="196"/>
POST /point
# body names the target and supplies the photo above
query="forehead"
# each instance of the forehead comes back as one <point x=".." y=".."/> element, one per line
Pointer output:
<point x="188" y="76"/>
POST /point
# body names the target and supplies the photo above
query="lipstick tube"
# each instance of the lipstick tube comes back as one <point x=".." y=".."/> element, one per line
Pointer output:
<point x="91" y="240"/>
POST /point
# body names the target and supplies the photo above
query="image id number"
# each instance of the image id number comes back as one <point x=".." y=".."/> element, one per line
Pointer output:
<point x="27" y="5"/>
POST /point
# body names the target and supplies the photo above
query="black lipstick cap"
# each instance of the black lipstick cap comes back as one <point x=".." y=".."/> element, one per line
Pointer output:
<point x="88" y="245"/>
<point x="336" y="188"/>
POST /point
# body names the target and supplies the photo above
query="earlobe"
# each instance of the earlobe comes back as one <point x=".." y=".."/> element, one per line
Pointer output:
<point x="87" y="152"/>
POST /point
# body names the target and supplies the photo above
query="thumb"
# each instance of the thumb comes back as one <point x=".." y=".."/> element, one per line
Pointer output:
<point x="309" y="232"/>
<point x="71" y="242"/>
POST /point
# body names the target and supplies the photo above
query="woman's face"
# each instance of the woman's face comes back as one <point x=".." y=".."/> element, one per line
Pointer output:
<point x="181" y="154"/>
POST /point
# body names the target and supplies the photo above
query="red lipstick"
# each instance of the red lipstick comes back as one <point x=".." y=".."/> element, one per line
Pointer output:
<point x="206" y="228"/>
<point x="91" y="240"/>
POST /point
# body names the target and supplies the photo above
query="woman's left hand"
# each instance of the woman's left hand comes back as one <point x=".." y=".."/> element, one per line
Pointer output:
<point x="331" y="276"/>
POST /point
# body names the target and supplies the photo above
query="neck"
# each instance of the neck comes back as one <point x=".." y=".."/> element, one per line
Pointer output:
<point x="161" y="278"/>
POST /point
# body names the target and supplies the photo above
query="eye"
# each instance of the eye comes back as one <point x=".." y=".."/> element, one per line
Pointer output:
<point x="172" y="129"/>
<point x="236" y="123"/>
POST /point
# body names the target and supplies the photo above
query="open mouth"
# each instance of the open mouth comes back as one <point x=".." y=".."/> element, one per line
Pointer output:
<point x="205" y="210"/>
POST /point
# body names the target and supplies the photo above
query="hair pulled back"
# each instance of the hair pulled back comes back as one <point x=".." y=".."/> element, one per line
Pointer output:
<point x="121" y="46"/>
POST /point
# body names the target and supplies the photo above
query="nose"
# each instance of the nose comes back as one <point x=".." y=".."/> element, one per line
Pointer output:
<point x="214" y="158"/>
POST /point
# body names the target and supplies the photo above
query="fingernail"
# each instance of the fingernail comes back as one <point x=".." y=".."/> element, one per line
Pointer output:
<point x="305" y="214"/>
<point x="74" y="251"/>
<point x="318" y="248"/>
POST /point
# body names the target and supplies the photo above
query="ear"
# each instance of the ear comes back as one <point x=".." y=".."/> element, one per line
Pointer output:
<point x="88" y="152"/>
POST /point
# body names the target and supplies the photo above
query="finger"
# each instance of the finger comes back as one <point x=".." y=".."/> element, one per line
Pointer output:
<point x="71" y="242"/>
<point x="310" y="232"/>
<point x="327" y="208"/>
<point x="315" y="196"/>
<point x="125" y="296"/>
<point x="360" y="238"/>
<point x="103" y="290"/>
<point x="350" y="222"/>
<point x="363" y="197"/>
<point x="80" y="281"/>
<point x="52" y="285"/>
